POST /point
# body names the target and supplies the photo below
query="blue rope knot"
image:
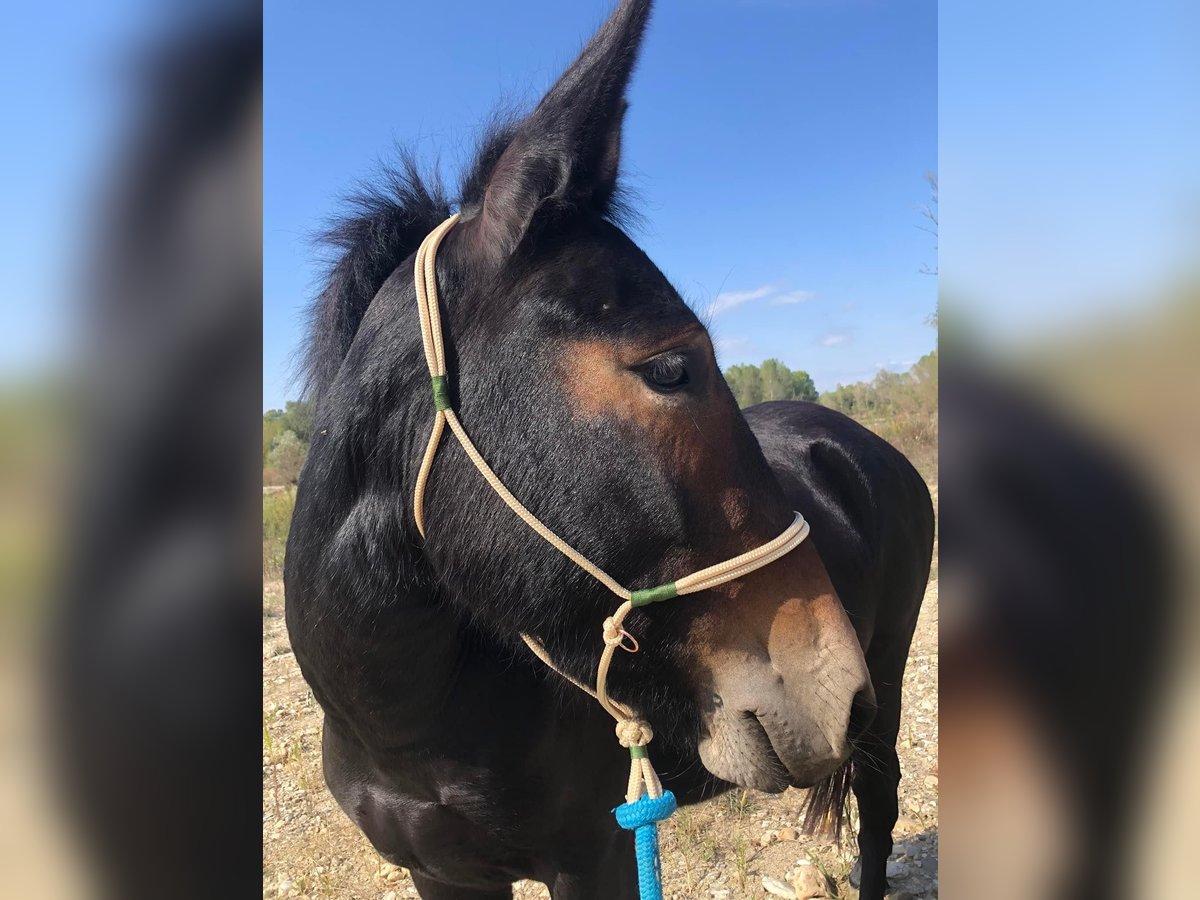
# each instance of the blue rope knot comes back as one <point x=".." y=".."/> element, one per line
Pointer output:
<point x="646" y="810"/>
<point x="642" y="817"/>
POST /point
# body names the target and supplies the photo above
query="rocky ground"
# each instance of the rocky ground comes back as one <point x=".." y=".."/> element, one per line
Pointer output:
<point x="741" y="845"/>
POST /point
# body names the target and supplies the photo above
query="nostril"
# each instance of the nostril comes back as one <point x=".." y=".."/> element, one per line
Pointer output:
<point x="862" y="713"/>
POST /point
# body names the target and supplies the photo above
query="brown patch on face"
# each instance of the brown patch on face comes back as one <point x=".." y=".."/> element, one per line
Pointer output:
<point x="599" y="378"/>
<point x="735" y="504"/>
<point x="697" y="435"/>
<point x="747" y="615"/>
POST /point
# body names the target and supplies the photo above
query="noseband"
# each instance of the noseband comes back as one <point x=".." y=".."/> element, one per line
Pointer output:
<point x="639" y="813"/>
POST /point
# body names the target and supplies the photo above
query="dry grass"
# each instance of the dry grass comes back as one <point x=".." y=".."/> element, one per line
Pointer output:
<point x="278" y="503"/>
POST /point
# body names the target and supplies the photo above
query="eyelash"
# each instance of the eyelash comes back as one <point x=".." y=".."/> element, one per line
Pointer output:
<point x="667" y="373"/>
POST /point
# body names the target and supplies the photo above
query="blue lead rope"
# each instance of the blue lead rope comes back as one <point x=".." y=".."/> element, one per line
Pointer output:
<point x="642" y="817"/>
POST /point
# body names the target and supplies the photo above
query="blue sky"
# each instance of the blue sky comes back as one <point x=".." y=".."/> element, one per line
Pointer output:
<point x="779" y="150"/>
<point x="1069" y="139"/>
<point x="62" y="91"/>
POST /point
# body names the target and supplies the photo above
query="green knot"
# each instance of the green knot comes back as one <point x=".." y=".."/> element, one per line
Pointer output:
<point x="441" y="392"/>
<point x="637" y="752"/>
<point x="653" y="595"/>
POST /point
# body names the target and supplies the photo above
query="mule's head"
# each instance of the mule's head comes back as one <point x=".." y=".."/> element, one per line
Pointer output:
<point x="593" y="390"/>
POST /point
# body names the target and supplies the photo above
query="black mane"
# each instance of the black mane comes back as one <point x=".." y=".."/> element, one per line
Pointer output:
<point x="384" y="223"/>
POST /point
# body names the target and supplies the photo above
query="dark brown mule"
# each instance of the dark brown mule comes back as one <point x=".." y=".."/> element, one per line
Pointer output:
<point x="592" y="390"/>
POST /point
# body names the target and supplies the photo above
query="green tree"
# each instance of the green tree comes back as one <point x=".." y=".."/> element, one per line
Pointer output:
<point x="776" y="380"/>
<point x="770" y="381"/>
<point x="273" y="427"/>
<point x="746" y="383"/>
<point x="297" y="417"/>
<point x="843" y="398"/>
<point x="803" y="387"/>
<point x="287" y="456"/>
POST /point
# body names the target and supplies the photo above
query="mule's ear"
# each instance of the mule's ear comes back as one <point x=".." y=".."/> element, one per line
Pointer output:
<point x="569" y="147"/>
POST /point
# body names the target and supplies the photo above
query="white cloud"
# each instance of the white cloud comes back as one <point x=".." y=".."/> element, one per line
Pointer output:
<point x="727" y="300"/>
<point x="834" y="339"/>
<point x="792" y="297"/>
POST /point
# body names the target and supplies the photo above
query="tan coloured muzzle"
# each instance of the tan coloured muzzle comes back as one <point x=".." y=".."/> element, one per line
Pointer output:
<point x="784" y="686"/>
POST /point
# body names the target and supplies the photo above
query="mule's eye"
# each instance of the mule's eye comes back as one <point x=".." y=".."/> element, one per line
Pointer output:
<point x="666" y="373"/>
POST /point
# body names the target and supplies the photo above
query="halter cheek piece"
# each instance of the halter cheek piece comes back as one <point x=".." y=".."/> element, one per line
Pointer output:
<point x="639" y="813"/>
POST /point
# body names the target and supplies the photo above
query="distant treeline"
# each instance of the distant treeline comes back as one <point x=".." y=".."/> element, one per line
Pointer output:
<point x="900" y="407"/>
<point x="286" y="433"/>
<point x="771" y="381"/>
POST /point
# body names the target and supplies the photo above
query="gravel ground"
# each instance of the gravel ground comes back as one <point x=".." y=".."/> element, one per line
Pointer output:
<point x="744" y="844"/>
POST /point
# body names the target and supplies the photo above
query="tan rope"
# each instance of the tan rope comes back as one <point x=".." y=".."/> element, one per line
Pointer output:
<point x="625" y="713"/>
<point x="733" y="569"/>
<point x="529" y="518"/>
<point x="425" y="273"/>
<point x="632" y="732"/>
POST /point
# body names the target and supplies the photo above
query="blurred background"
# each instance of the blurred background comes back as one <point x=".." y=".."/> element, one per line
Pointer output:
<point x="1070" y="328"/>
<point x="130" y="672"/>
<point x="1067" y="235"/>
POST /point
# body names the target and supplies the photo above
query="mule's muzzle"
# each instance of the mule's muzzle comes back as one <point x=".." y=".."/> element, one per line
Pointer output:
<point x="786" y="711"/>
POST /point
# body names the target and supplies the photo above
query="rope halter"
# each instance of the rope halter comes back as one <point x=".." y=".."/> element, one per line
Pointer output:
<point x="632" y="732"/>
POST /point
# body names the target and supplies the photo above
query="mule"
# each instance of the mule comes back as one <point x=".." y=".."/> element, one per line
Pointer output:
<point x="593" y="391"/>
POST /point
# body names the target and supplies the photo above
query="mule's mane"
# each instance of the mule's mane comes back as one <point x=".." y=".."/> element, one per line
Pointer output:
<point x="383" y="223"/>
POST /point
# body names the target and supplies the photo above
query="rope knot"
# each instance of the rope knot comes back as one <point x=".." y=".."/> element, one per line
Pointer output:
<point x="615" y="635"/>
<point x="634" y="733"/>
<point x="613" y="632"/>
